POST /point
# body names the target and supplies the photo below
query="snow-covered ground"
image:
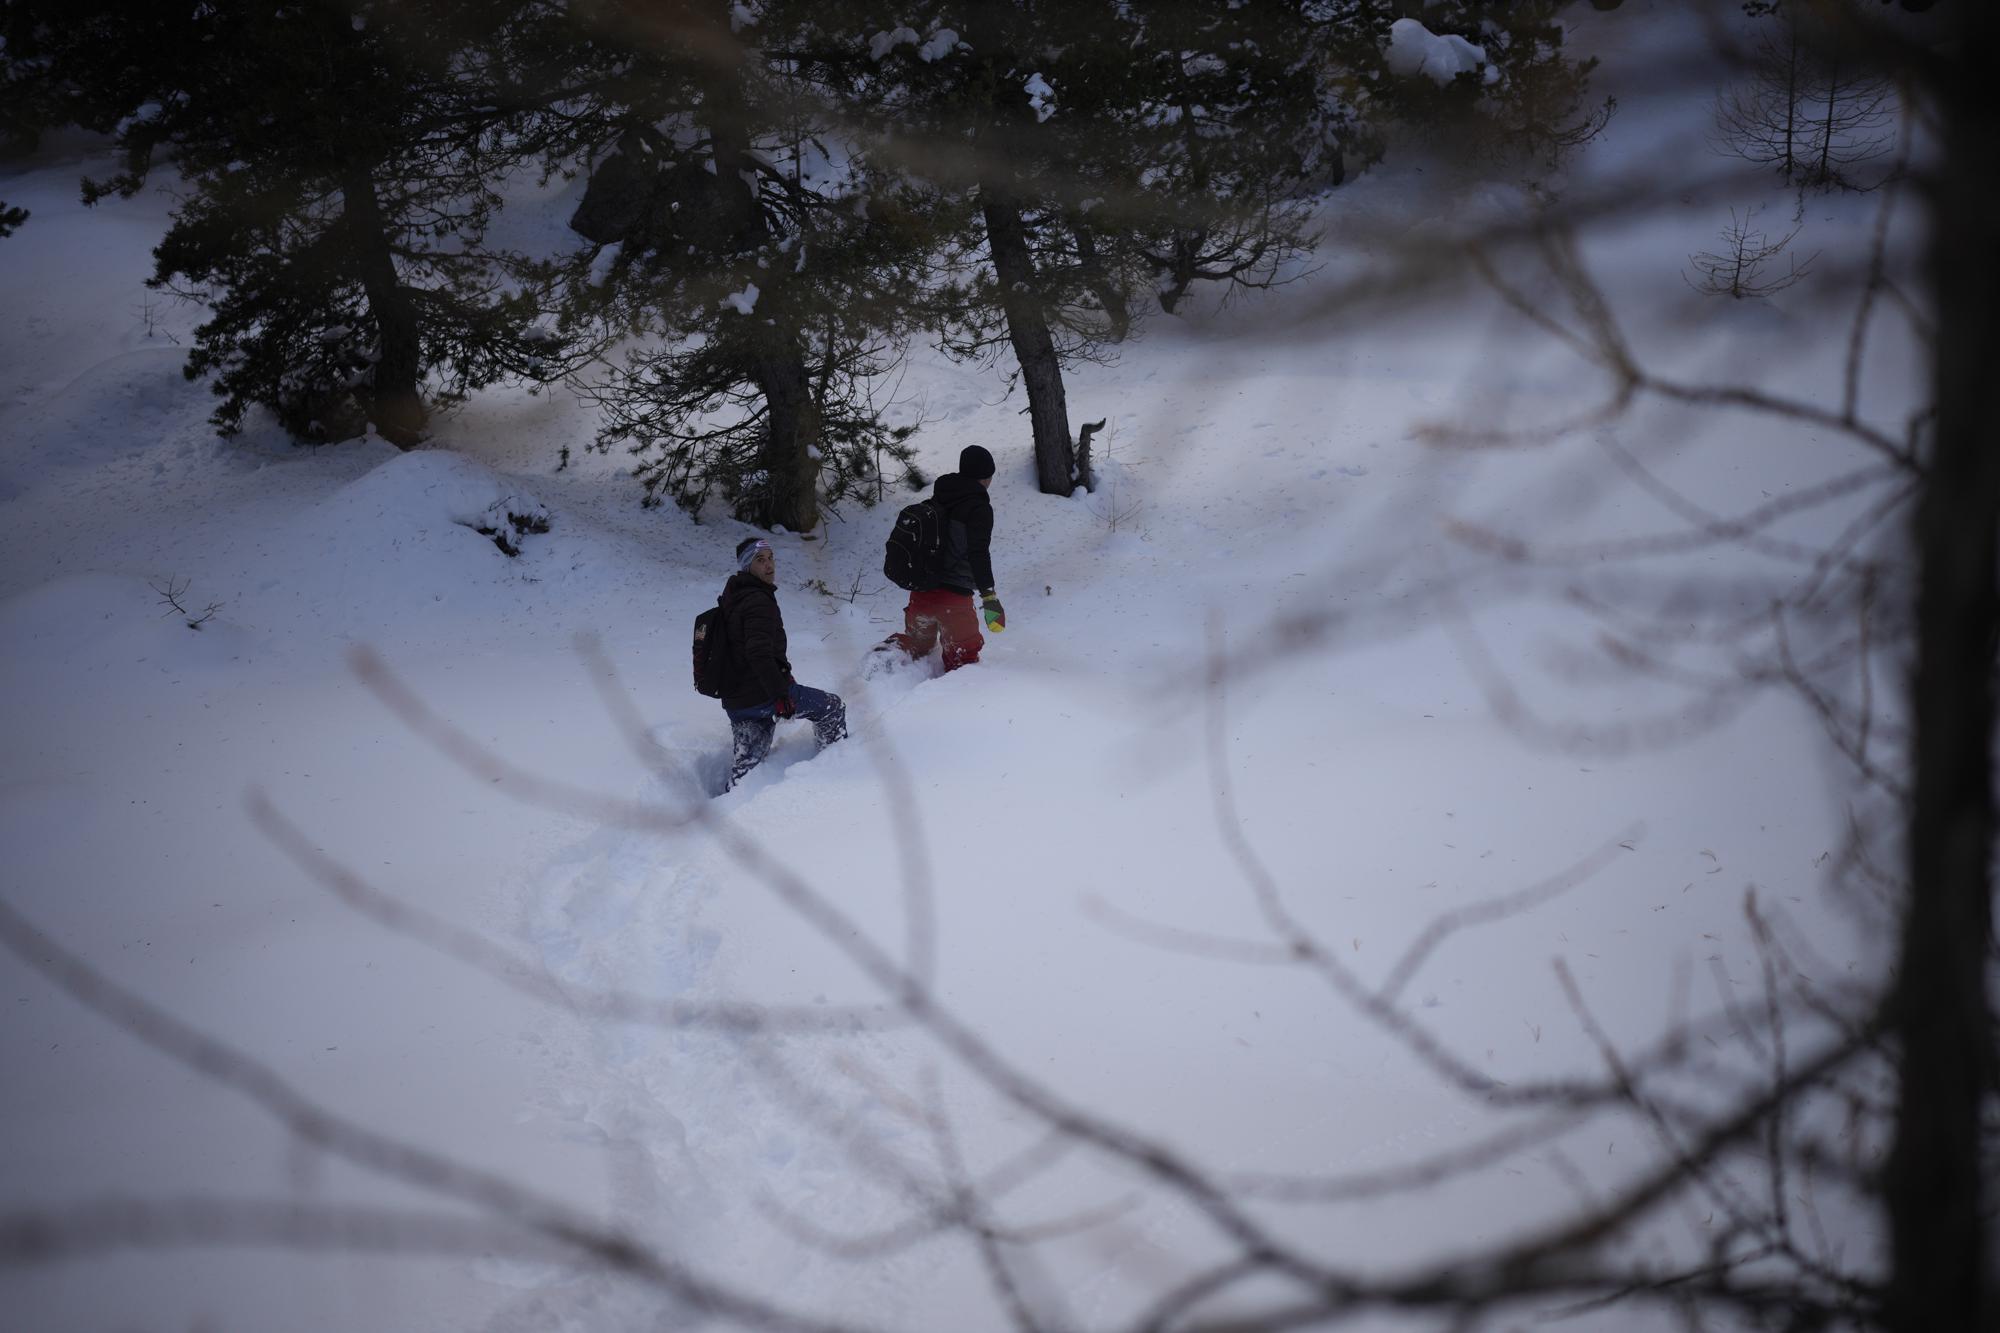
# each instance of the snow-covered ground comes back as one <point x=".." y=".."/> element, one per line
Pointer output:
<point x="1261" y="466"/>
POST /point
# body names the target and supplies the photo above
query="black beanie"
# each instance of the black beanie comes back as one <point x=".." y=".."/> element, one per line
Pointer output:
<point x="975" y="462"/>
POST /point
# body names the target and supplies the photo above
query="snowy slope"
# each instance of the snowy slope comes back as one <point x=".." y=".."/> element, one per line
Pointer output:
<point x="1262" y="463"/>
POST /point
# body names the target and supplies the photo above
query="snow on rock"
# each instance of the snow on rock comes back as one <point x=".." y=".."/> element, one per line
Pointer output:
<point x="145" y="115"/>
<point x="423" y="499"/>
<point x="510" y="520"/>
<point x="882" y="43"/>
<point x="1415" y="49"/>
<point x="601" y="262"/>
<point x="743" y="302"/>
<point x="1040" y="96"/>
<point x="936" y="47"/>
<point x="941" y="44"/>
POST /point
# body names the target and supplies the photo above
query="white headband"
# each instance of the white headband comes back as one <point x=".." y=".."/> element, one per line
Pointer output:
<point x="750" y="553"/>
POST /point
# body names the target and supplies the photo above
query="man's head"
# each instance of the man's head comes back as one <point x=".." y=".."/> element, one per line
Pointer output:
<point x="976" y="463"/>
<point x="754" y="555"/>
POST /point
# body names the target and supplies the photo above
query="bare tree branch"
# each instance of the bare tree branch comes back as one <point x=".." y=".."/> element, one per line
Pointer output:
<point x="431" y="1172"/>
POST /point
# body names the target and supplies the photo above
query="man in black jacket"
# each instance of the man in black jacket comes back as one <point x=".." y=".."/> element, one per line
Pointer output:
<point x="757" y="687"/>
<point x="944" y="610"/>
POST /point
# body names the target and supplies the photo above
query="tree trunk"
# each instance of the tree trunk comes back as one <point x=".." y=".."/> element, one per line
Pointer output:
<point x="1181" y="268"/>
<point x="1116" y="310"/>
<point x="1792" y="95"/>
<point x="397" y="405"/>
<point x="791" y="500"/>
<point x="1941" y="1013"/>
<point x="1034" y="348"/>
<point x="773" y="346"/>
<point x="1186" y="246"/>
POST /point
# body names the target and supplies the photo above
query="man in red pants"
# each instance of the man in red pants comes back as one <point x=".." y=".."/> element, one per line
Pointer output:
<point x="944" y="610"/>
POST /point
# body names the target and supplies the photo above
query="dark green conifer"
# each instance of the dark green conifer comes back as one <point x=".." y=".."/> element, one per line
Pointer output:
<point x="339" y="164"/>
<point x="771" y="271"/>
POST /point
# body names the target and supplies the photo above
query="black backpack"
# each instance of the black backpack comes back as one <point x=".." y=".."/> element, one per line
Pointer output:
<point x="914" y="551"/>
<point x="711" y="651"/>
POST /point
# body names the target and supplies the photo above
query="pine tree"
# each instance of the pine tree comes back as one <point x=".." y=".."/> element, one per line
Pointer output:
<point x="1110" y="153"/>
<point x="961" y="98"/>
<point x="1809" y="109"/>
<point x="339" y="163"/>
<point x="1239" y="115"/>
<point x="25" y="97"/>
<point x="1739" y="268"/>
<point x="771" y="272"/>
<point x="1100" y="151"/>
<point x="766" y="339"/>
<point x="1016" y="68"/>
<point x="1527" y="103"/>
<point x="1540" y="105"/>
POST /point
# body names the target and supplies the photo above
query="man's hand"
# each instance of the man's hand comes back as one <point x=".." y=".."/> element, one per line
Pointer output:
<point x="783" y="705"/>
<point x="996" y="615"/>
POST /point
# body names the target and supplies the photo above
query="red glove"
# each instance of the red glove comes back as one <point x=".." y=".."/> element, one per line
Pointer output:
<point x="783" y="705"/>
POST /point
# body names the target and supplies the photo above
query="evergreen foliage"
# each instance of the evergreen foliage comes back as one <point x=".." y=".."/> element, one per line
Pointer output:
<point x="1098" y="153"/>
<point x="1233" y="130"/>
<point x="1528" y="104"/>
<point x="1540" y="106"/>
<point x="1109" y="154"/>
<point x="756" y="380"/>
<point x="965" y="98"/>
<point x="768" y="267"/>
<point x="781" y="194"/>
<point x="339" y="163"/>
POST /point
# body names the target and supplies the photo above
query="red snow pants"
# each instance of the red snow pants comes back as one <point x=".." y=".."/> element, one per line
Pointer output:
<point x="935" y="612"/>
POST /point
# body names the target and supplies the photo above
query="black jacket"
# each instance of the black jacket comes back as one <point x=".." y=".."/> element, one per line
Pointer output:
<point x="967" y="563"/>
<point x="757" y="670"/>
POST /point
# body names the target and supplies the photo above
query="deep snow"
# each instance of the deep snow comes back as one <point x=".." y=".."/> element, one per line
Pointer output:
<point x="1261" y="463"/>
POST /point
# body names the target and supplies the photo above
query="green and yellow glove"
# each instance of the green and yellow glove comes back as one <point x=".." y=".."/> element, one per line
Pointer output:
<point x="996" y="615"/>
